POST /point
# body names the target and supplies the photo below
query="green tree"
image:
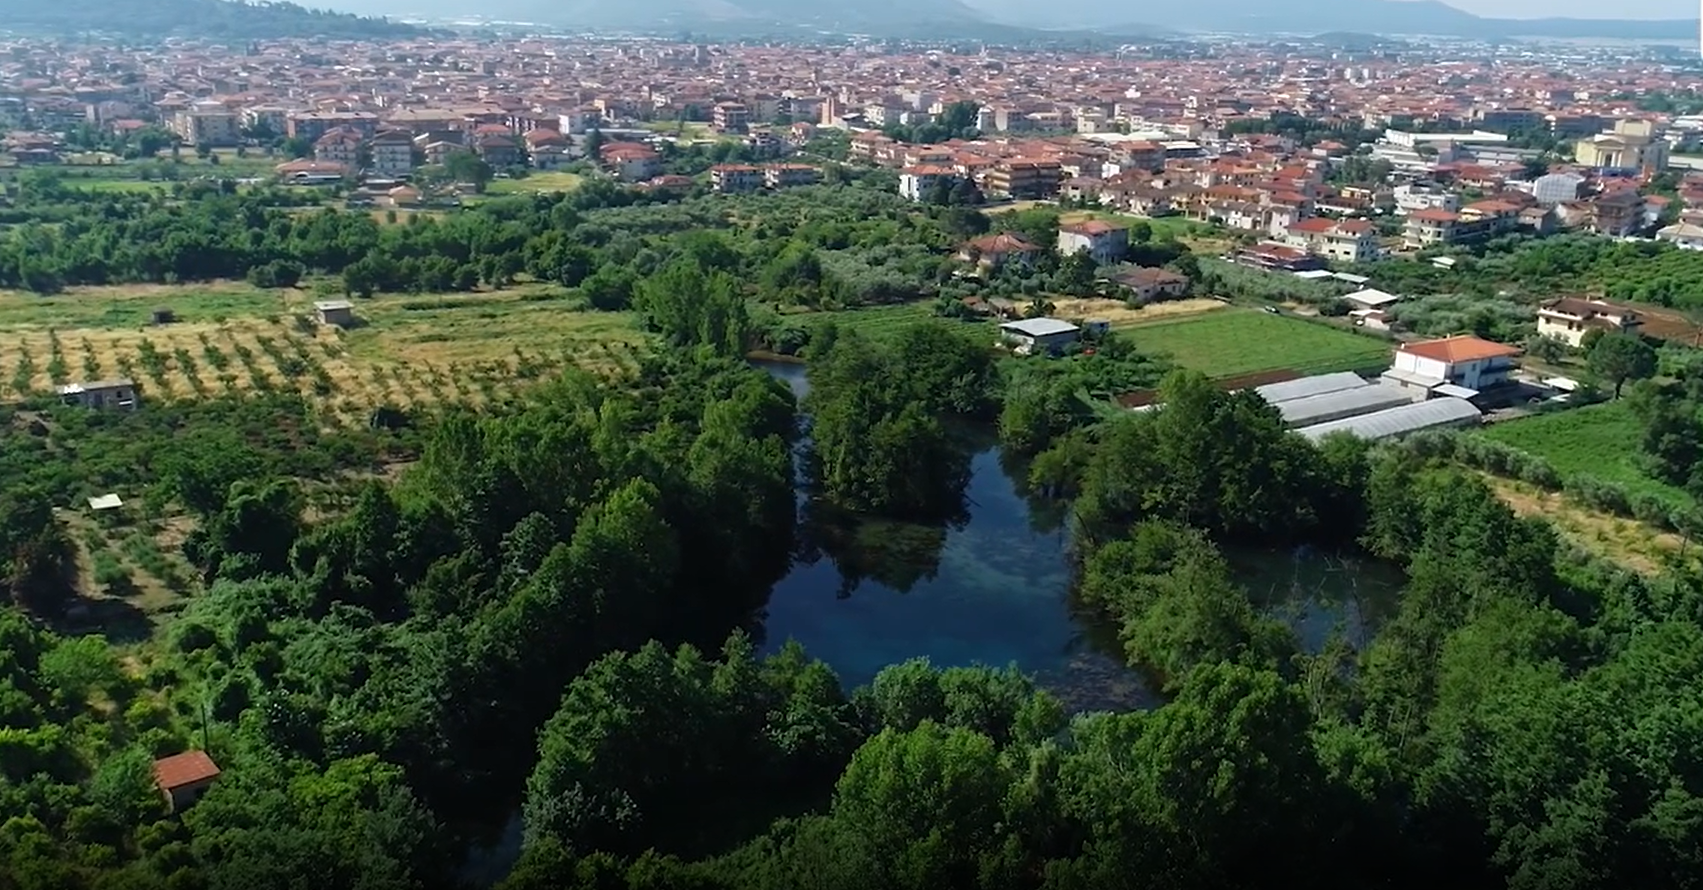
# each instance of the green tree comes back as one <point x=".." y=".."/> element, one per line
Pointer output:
<point x="1618" y="357"/>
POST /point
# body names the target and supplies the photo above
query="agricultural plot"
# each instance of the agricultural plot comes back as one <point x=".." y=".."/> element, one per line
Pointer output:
<point x="554" y="181"/>
<point x="1232" y="342"/>
<point x="1600" y="441"/>
<point x="406" y="351"/>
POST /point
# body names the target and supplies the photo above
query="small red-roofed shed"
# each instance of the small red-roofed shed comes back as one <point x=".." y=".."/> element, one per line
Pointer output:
<point x="183" y="778"/>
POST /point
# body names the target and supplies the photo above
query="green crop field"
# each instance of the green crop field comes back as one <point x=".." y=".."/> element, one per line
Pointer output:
<point x="1598" y="440"/>
<point x="1232" y="342"/>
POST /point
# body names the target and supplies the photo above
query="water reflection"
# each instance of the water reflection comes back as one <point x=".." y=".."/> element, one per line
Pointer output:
<point x="989" y="585"/>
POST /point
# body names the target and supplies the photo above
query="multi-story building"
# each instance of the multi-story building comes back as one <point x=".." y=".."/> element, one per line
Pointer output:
<point x="731" y="117"/>
<point x="547" y="149"/>
<point x="1431" y="226"/>
<point x="780" y="176"/>
<point x="919" y="183"/>
<point x="392" y="154"/>
<point x="1025" y="178"/>
<point x="1570" y="318"/>
<point x="201" y="126"/>
<point x="632" y="163"/>
<point x="732" y="179"/>
<point x="311" y="125"/>
<point x="339" y="146"/>
<point x="1632" y="145"/>
<point x="1105" y="242"/>
<point x="1341" y="241"/>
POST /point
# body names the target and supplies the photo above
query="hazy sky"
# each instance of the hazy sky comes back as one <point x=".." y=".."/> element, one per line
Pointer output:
<point x="1583" y="9"/>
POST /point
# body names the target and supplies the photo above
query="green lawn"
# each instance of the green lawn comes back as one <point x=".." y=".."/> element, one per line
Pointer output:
<point x="1600" y="441"/>
<point x="1231" y="342"/>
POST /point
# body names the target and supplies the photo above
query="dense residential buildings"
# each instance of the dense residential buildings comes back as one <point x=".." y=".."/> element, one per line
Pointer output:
<point x="1430" y="145"/>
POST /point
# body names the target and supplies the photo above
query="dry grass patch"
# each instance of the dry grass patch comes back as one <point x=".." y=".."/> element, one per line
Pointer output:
<point x="1635" y="545"/>
<point x="1121" y="315"/>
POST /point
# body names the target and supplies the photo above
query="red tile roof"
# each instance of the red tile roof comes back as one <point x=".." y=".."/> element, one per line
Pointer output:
<point x="1462" y="348"/>
<point x="181" y="770"/>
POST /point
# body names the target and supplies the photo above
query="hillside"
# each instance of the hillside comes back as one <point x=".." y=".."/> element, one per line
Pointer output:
<point x="198" y="18"/>
<point x="1313" y="16"/>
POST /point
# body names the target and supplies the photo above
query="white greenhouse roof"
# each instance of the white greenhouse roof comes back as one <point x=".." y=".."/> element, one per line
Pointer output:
<point x="1303" y="387"/>
<point x="1398" y="421"/>
<point x="1342" y="403"/>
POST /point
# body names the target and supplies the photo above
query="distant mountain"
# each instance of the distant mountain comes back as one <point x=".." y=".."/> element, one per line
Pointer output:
<point x="197" y="18"/>
<point x="1314" y="16"/>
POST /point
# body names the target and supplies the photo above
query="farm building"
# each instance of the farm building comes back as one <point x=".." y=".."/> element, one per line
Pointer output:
<point x="119" y="393"/>
<point x="1344" y="403"/>
<point x="1033" y="335"/>
<point x="338" y="312"/>
<point x="1304" y="387"/>
<point x="183" y="778"/>
<point x="1392" y="422"/>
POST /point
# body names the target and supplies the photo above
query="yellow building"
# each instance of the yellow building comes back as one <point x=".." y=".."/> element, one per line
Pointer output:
<point x="1631" y="145"/>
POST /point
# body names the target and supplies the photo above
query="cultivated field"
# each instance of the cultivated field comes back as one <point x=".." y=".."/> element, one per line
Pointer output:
<point x="555" y="181"/>
<point x="1230" y="342"/>
<point x="1600" y="441"/>
<point x="406" y="350"/>
<point x="1120" y="315"/>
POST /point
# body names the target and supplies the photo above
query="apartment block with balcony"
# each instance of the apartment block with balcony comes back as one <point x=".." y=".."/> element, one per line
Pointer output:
<point x="730" y="117"/>
<point x="733" y="179"/>
<point x="1025" y="179"/>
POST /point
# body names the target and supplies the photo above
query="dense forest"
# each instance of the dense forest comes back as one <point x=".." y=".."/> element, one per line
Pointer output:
<point x="554" y="610"/>
<point x="199" y="18"/>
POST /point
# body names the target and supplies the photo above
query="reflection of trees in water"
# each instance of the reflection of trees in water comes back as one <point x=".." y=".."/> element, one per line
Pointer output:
<point x="891" y="553"/>
<point x="1046" y="514"/>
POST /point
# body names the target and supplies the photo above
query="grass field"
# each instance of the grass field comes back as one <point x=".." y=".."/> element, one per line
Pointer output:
<point x="1597" y="440"/>
<point x="555" y="181"/>
<point x="407" y="350"/>
<point x="1236" y="341"/>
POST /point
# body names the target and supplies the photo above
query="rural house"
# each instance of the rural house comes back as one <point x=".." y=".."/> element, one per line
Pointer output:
<point x="1458" y="366"/>
<point x="119" y="393"/>
<point x="1103" y="241"/>
<point x="183" y="778"/>
<point x="1032" y="335"/>
<point x="1149" y="285"/>
<point x="993" y="252"/>
<point x="1570" y="318"/>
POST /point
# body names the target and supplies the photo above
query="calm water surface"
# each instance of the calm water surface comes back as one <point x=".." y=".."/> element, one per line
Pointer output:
<point x="995" y="590"/>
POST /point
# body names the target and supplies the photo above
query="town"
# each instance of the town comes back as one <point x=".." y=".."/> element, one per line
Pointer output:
<point x="536" y="449"/>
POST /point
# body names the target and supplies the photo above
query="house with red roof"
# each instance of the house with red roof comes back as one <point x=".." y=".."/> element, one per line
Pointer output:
<point x="993" y="252"/>
<point x="1105" y="242"/>
<point x="183" y="778"/>
<point x="1451" y="365"/>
